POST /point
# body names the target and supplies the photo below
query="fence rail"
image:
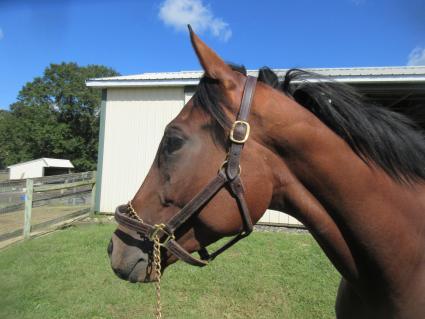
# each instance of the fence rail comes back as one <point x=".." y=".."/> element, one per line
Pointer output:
<point x="31" y="189"/>
<point x="19" y="184"/>
<point x="35" y="204"/>
<point x="4" y="174"/>
<point x="12" y="192"/>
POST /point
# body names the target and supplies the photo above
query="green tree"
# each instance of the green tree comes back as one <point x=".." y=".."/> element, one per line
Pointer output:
<point x="55" y="115"/>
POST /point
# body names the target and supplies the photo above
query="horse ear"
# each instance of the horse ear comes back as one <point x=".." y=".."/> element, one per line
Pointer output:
<point x="212" y="64"/>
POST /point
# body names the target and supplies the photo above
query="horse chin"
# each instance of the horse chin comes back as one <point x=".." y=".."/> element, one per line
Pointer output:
<point x="133" y="269"/>
<point x="140" y="273"/>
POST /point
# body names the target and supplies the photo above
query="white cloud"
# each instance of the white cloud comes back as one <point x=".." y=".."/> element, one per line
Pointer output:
<point x="1" y="34"/>
<point x="417" y="57"/>
<point x="180" y="13"/>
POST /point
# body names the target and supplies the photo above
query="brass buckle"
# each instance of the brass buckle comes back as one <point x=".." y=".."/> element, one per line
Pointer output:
<point x="245" y="138"/>
<point x="158" y="228"/>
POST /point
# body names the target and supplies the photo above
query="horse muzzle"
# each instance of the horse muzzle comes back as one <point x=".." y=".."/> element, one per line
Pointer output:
<point x="130" y="262"/>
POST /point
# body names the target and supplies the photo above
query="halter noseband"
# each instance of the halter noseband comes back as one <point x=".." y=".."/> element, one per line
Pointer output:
<point x="228" y="174"/>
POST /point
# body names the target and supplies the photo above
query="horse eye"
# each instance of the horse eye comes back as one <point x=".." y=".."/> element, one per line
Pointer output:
<point x="172" y="144"/>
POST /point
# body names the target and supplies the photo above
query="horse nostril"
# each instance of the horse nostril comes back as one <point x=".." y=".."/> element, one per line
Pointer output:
<point x="110" y="247"/>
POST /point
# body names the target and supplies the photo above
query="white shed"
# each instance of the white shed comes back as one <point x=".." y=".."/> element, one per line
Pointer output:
<point x="40" y="167"/>
<point x="135" y="110"/>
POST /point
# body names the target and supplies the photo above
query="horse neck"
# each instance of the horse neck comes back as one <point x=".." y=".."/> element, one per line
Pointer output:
<point x="348" y="206"/>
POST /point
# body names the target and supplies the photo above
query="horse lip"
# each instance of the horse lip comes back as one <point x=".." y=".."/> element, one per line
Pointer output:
<point x="128" y="275"/>
<point x="133" y="275"/>
<point x="132" y="279"/>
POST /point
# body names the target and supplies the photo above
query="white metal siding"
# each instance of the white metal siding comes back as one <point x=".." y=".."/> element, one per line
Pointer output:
<point x="276" y="217"/>
<point x="188" y="93"/>
<point x="135" y="119"/>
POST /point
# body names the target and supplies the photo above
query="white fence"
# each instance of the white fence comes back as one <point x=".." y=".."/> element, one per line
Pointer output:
<point x="39" y="203"/>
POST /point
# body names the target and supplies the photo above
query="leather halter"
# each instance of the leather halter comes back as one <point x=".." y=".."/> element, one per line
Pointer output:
<point x="228" y="174"/>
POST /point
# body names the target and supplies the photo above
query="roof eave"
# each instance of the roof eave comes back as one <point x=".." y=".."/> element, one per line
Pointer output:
<point x="98" y="83"/>
<point x="141" y="83"/>
<point x="380" y="78"/>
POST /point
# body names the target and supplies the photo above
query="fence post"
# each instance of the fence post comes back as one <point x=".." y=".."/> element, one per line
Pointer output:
<point x="93" y="198"/>
<point x="28" y="207"/>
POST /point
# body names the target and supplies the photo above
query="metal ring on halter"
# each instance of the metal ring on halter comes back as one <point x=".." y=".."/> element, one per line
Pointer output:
<point x="225" y="163"/>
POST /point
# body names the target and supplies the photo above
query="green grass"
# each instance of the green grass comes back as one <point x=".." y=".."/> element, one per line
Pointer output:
<point x="67" y="275"/>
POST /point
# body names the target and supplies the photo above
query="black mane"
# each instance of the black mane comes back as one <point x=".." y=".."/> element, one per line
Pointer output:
<point x="389" y="139"/>
<point x="377" y="135"/>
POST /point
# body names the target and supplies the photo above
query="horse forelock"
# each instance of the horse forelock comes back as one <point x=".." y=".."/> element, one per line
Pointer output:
<point x="209" y="98"/>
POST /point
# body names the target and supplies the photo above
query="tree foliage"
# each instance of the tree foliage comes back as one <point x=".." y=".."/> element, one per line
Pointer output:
<point x="55" y="115"/>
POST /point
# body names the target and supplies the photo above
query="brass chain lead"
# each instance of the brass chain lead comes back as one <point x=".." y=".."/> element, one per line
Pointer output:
<point x="157" y="264"/>
<point x="132" y="213"/>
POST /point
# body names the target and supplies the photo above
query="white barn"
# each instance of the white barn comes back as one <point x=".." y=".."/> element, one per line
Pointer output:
<point x="40" y="167"/>
<point x="135" y="110"/>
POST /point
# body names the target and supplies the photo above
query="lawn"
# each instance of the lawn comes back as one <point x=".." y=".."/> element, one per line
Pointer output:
<point x="67" y="275"/>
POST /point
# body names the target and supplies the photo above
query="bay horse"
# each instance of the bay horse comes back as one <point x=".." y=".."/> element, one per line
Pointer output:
<point x="351" y="172"/>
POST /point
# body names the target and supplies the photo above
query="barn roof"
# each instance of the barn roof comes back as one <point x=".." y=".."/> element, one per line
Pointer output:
<point x="48" y="162"/>
<point x="183" y="78"/>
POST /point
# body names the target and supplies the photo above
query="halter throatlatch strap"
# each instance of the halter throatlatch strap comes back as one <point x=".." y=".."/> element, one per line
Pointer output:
<point x="229" y="174"/>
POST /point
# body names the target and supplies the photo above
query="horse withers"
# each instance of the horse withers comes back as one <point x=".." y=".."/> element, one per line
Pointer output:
<point x="352" y="173"/>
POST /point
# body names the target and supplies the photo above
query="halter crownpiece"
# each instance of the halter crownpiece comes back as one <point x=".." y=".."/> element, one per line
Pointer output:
<point x="228" y="174"/>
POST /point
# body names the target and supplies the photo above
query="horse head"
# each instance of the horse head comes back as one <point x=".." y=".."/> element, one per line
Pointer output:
<point x="193" y="167"/>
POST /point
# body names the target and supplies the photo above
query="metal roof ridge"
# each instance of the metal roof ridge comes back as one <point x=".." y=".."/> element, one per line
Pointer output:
<point x="26" y="162"/>
<point x="43" y="159"/>
<point x="345" y="74"/>
<point x="141" y="75"/>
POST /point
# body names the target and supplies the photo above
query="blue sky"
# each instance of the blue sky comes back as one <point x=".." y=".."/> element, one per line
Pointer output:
<point x="135" y="36"/>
